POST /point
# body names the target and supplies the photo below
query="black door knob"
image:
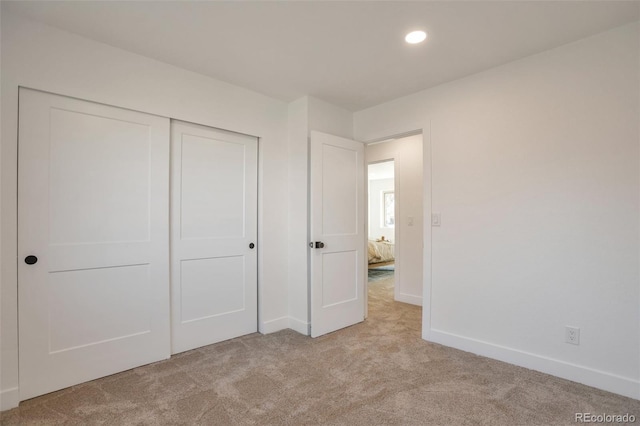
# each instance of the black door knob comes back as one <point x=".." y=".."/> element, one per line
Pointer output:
<point x="251" y="245"/>
<point x="30" y="260"/>
<point x="319" y="244"/>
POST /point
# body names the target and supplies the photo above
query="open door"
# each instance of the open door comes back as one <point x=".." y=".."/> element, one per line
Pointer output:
<point x="338" y="263"/>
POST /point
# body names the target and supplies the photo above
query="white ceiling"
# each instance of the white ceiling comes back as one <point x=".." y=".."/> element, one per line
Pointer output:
<point x="350" y="54"/>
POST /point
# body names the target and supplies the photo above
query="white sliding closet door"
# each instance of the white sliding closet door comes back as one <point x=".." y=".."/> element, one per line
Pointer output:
<point x="93" y="275"/>
<point x="213" y="235"/>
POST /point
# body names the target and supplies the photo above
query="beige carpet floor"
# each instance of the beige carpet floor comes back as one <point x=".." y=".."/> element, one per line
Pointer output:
<point x="378" y="372"/>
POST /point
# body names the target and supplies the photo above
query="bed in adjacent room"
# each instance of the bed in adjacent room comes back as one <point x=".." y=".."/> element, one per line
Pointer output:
<point x="381" y="253"/>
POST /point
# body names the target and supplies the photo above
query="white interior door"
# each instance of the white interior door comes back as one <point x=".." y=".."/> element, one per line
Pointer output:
<point x="93" y="200"/>
<point x="338" y="261"/>
<point x="213" y="235"/>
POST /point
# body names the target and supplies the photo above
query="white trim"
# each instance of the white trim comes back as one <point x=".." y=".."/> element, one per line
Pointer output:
<point x="272" y="326"/>
<point x="427" y="262"/>
<point x="409" y="298"/>
<point x="392" y="138"/>
<point x="588" y="376"/>
<point x="9" y="398"/>
<point x="397" y="239"/>
<point x="299" y="326"/>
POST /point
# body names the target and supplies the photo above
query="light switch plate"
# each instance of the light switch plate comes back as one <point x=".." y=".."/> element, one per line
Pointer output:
<point x="435" y="219"/>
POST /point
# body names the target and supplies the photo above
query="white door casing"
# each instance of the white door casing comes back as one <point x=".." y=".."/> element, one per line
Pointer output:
<point x="337" y="221"/>
<point x="93" y="199"/>
<point x="213" y="224"/>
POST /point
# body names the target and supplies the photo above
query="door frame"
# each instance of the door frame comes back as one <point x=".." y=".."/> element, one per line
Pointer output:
<point x="396" y="234"/>
<point x="425" y="131"/>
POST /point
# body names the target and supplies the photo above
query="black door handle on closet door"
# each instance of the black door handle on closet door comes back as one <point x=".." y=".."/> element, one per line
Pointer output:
<point x="319" y="244"/>
<point x="30" y="260"/>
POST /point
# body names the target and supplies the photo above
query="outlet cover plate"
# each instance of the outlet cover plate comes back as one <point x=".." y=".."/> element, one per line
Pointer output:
<point x="572" y="335"/>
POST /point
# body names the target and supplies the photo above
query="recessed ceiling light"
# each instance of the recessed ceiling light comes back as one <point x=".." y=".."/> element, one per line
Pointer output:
<point x="415" y="37"/>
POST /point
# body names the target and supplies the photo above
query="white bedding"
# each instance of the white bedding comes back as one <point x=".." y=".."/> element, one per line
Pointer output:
<point x="380" y="251"/>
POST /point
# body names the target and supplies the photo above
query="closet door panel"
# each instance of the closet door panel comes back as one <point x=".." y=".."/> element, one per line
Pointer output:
<point x="213" y="237"/>
<point x="93" y="201"/>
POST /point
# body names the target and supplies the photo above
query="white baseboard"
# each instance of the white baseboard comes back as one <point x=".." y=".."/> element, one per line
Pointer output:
<point x="301" y="327"/>
<point x="576" y="373"/>
<point x="9" y="398"/>
<point x="272" y="326"/>
<point x="409" y="298"/>
<point x="282" y="323"/>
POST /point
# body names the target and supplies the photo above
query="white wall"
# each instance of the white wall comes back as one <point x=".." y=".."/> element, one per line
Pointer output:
<point x="408" y="156"/>
<point x="328" y="118"/>
<point x="376" y="230"/>
<point x="305" y="114"/>
<point x="41" y="57"/>
<point x="535" y="170"/>
<point x="298" y="152"/>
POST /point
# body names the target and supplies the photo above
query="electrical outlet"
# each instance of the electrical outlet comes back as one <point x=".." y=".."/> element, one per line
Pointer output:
<point x="572" y="335"/>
